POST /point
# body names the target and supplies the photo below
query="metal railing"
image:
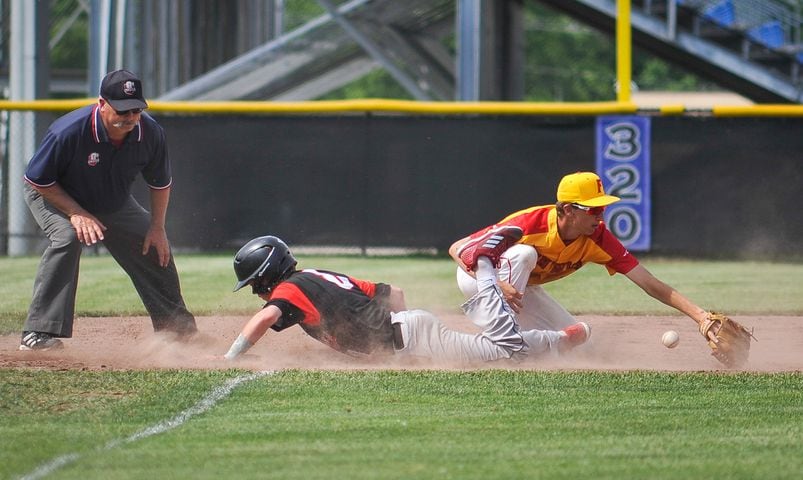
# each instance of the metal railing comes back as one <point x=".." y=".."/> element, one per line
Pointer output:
<point x="750" y="14"/>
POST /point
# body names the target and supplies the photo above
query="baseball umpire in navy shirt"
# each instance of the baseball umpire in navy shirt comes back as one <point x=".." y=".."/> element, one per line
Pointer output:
<point x="78" y="187"/>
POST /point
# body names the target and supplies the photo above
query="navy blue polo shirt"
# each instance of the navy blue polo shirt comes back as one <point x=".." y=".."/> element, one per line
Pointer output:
<point x="76" y="153"/>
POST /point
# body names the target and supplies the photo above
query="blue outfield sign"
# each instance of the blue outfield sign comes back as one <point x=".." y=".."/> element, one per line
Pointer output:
<point x="623" y="164"/>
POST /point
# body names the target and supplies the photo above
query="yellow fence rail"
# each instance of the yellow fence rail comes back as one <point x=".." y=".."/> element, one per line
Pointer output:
<point x="424" y="108"/>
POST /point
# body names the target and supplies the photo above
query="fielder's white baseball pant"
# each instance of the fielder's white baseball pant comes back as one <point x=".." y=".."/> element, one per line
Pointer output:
<point x="539" y="310"/>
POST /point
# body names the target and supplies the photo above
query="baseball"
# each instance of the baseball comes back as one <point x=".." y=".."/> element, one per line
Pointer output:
<point x="670" y="339"/>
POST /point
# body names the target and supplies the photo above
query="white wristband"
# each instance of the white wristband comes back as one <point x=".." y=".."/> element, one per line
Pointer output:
<point x="240" y="346"/>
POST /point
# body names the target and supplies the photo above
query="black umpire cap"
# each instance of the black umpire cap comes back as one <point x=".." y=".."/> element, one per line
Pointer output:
<point x="122" y="90"/>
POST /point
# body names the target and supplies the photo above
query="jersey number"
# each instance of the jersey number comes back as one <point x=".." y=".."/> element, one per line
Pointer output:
<point x="340" y="280"/>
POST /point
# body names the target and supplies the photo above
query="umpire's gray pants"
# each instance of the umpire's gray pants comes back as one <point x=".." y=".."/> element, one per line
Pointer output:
<point x="53" y="302"/>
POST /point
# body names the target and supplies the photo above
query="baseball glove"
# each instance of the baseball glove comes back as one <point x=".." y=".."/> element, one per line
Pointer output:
<point x="728" y="339"/>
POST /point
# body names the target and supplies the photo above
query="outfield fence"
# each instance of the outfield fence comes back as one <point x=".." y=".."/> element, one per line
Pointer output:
<point x="383" y="173"/>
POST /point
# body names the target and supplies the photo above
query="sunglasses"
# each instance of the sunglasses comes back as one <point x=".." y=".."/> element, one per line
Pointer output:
<point x="593" y="211"/>
<point x="123" y="113"/>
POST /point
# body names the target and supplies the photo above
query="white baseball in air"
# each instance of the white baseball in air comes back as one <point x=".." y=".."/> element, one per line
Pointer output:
<point x="670" y="339"/>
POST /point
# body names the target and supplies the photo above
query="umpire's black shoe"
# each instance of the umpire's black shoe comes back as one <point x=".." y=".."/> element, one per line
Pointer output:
<point x="40" y="341"/>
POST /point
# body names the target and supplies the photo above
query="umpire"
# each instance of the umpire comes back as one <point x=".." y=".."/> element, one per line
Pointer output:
<point x="78" y="188"/>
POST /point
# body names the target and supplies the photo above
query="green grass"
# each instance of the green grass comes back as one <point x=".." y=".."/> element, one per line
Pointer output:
<point x="44" y="414"/>
<point x="409" y="424"/>
<point x="741" y="288"/>
<point x="207" y="281"/>
<point x="482" y="424"/>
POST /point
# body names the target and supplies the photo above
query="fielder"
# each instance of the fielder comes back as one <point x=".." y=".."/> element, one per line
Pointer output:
<point x="360" y="318"/>
<point x="558" y="240"/>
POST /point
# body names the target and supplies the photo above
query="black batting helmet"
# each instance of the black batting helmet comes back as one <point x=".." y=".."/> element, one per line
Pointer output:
<point x="264" y="260"/>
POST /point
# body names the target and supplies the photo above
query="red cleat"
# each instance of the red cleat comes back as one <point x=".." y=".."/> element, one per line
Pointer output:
<point x="492" y="245"/>
<point x="575" y="335"/>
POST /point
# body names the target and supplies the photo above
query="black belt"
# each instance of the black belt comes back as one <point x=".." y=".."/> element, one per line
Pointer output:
<point x="398" y="339"/>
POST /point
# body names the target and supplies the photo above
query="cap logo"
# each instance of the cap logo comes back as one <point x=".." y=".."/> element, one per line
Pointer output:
<point x="585" y="188"/>
<point x="129" y="88"/>
<point x="93" y="159"/>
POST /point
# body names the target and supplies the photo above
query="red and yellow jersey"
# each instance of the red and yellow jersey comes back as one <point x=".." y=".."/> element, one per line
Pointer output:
<point x="556" y="259"/>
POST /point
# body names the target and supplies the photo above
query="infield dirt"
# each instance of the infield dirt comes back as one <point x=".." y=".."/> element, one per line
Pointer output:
<point x="618" y="343"/>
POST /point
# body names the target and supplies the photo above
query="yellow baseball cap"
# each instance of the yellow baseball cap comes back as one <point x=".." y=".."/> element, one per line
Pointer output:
<point x="584" y="188"/>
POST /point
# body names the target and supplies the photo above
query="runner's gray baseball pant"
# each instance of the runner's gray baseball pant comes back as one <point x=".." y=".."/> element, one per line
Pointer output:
<point x="425" y="336"/>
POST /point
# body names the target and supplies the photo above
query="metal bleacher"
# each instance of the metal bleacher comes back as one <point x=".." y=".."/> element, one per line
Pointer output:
<point x="337" y="48"/>
<point x="752" y="47"/>
<point x="239" y="50"/>
<point x="767" y="31"/>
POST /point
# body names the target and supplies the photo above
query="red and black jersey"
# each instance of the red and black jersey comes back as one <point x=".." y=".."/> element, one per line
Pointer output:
<point x="348" y="314"/>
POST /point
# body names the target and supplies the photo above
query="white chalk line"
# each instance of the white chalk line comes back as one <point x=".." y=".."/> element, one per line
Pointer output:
<point x="206" y="403"/>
